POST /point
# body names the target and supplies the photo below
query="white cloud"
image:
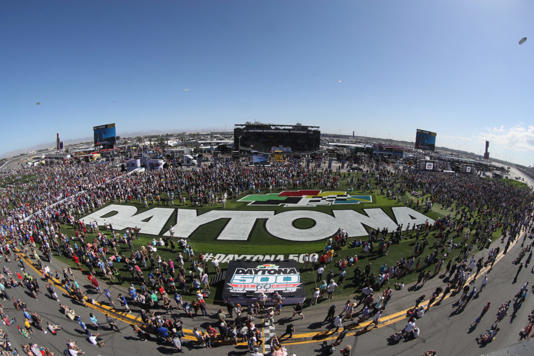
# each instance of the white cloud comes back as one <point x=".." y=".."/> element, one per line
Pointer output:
<point x="517" y="138"/>
<point x="187" y="90"/>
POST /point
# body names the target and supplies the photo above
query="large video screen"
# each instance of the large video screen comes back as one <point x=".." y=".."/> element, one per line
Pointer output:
<point x="266" y="138"/>
<point x="105" y="135"/>
<point x="425" y="140"/>
<point x="259" y="159"/>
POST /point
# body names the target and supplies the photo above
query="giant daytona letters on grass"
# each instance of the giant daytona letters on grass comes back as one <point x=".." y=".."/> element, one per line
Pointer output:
<point x="241" y="223"/>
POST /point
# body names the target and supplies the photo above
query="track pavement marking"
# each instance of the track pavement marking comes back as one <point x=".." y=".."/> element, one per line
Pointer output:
<point x="397" y="316"/>
<point x="384" y="321"/>
<point x="263" y="335"/>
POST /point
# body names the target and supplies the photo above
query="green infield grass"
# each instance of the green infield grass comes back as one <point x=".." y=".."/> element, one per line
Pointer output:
<point x="203" y="240"/>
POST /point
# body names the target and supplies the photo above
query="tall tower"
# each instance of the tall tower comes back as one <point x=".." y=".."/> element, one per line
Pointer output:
<point x="58" y="142"/>
<point x="486" y="153"/>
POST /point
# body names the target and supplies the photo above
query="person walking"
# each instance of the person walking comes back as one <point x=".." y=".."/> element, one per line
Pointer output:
<point x="320" y="272"/>
<point x="346" y="350"/>
<point x="484" y="282"/>
<point x="297" y="310"/>
<point x="330" y="288"/>
<point x="112" y="324"/>
<point x="376" y="318"/>
<point x="330" y="315"/>
<point x="94" y="320"/>
<point x="338" y="323"/>
<point x="290" y="329"/>
<point x="315" y="297"/>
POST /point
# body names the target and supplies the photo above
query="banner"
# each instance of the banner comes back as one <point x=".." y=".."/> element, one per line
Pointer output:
<point x="246" y="281"/>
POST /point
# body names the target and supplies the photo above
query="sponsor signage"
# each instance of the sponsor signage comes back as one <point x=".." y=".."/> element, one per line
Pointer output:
<point x="247" y="281"/>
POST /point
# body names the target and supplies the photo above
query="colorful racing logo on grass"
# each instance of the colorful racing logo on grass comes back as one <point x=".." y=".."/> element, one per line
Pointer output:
<point x="305" y="198"/>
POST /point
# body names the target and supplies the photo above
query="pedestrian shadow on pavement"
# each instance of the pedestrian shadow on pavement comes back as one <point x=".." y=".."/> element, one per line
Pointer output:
<point x="322" y="335"/>
<point x="414" y="288"/>
<point x="352" y="325"/>
<point x="134" y="338"/>
<point x="283" y="321"/>
<point x="29" y="294"/>
<point x="89" y="289"/>
<point x="167" y="350"/>
<point x="205" y="324"/>
<point x="315" y="325"/>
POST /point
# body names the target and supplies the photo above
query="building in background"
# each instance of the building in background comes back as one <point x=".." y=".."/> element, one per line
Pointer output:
<point x="486" y="152"/>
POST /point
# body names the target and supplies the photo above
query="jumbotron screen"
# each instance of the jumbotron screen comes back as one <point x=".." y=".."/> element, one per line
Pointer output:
<point x="268" y="137"/>
<point x="105" y="136"/>
<point x="425" y="140"/>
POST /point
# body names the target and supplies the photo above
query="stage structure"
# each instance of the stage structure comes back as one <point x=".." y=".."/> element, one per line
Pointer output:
<point x="265" y="138"/>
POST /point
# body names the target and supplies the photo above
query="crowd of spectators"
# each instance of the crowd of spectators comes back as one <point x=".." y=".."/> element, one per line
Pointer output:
<point x="35" y="211"/>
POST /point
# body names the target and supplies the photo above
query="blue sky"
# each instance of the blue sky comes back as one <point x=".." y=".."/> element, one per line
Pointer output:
<point x="450" y="66"/>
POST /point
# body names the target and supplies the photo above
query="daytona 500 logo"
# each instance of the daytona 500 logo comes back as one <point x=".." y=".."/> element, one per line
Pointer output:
<point x="265" y="278"/>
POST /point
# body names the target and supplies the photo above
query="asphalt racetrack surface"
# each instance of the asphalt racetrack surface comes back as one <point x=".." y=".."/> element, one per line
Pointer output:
<point x="440" y="331"/>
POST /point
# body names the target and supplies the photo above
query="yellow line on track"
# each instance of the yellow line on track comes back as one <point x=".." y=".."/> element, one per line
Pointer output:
<point x="263" y="335"/>
<point x="384" y="321"/>
<point x="395" y="317"/>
